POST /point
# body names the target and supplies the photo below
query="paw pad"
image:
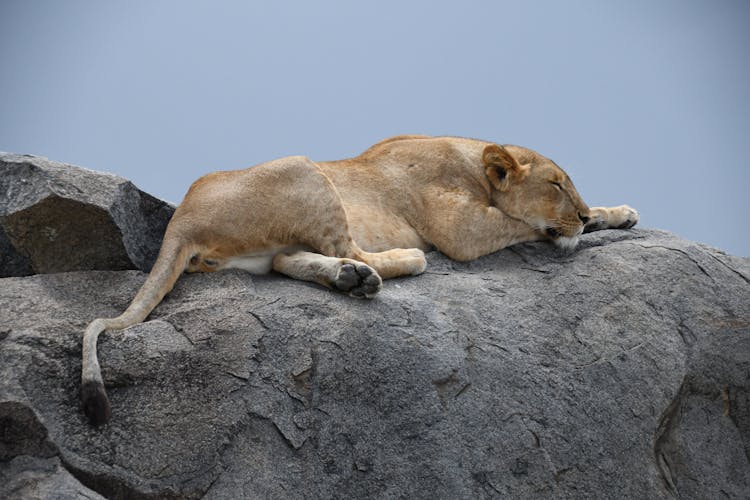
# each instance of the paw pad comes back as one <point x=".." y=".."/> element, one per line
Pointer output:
<point x="359" y="279"/>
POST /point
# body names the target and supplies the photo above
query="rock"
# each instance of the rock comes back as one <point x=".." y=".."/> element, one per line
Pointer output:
<point x="32" y="478"/>
<point x="56" y="217"/>
<point x="620" y="370"/>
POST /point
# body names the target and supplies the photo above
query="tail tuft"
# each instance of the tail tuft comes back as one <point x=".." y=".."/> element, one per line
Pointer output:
<point x="95" y="403"/>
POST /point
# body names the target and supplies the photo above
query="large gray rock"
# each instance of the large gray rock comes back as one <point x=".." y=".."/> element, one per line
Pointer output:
<point x="621" y="370"/>
<point x="56" y="217"/>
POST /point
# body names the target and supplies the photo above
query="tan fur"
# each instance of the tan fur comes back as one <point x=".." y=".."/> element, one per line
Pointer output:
<point x="347" y="224"/>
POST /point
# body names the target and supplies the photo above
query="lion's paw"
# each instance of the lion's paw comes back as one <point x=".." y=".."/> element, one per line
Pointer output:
<point x="623" y="217"/>
<point x="359" y="279"/>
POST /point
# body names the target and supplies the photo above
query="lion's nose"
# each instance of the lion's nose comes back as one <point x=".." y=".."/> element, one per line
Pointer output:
<point x="585" y="219"/>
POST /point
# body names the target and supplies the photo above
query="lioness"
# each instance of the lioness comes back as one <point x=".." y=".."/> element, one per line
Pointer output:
<point x="349" y="224"/>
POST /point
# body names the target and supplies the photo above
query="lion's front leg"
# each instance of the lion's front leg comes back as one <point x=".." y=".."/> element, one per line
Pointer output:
<point x="622" y="217"/>
<point x="467" y="230"/>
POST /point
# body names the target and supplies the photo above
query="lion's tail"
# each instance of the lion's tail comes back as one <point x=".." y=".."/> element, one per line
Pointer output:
<point x="172" y="261"/>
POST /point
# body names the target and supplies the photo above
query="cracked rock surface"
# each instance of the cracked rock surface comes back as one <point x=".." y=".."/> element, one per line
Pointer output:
<point x="617" y="371"/>
<point x="56" y="217"/>
<point x="620" y="370"/>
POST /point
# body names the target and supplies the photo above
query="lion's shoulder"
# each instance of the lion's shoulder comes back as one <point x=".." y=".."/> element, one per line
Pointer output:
<point x="383" y="147"/>
<point x="436" y="147"/>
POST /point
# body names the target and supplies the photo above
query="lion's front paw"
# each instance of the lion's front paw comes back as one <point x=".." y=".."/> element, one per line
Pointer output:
<point x="359" y="279"/>
<point x="623" y="217"/>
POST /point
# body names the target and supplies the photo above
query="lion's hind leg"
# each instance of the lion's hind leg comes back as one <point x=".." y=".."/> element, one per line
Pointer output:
<point x="361" y="277"/>
<point x="320" y="223"/>
<point x="346" y="275"/>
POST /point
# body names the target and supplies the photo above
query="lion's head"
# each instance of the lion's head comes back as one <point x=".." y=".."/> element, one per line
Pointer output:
<point x="533" y="189"/>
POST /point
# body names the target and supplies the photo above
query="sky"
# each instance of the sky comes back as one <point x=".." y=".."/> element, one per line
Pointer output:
<point x="644" y="102"/>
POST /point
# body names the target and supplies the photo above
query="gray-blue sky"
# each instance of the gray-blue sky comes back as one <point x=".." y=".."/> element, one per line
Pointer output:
<point x="642" y="102"/>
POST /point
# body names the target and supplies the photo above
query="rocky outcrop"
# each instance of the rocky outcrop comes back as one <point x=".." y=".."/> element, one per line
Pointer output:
<point x="620" y="370"/>
<point x="56" y="217"/>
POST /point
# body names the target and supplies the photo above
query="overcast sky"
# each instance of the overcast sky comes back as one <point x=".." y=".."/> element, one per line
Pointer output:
<point x="641" y="102"/>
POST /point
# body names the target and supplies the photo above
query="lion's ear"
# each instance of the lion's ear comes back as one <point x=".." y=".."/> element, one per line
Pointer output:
<point x="501" y="168"/>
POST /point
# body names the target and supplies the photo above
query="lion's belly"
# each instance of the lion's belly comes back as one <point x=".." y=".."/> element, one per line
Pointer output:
<point x="376" y="231"/>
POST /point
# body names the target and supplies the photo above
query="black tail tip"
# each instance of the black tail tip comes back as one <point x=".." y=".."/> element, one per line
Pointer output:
<point x="95" y="403"/>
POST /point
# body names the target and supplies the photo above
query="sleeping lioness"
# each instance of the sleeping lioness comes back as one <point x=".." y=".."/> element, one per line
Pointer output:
<point x="349" y="224"/>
